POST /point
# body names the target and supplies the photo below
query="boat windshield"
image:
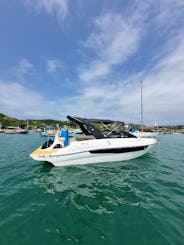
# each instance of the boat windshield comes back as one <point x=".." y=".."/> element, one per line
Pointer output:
<point x="47" y="144"/>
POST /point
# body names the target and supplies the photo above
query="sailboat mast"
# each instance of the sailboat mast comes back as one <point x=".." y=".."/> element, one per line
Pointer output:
<point x="141" y="107"/>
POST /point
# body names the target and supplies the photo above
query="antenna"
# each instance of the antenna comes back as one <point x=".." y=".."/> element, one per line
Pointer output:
<point x="141" y="107"/>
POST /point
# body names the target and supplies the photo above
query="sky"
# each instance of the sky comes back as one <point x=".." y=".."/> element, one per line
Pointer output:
<point x="87" y="58"/>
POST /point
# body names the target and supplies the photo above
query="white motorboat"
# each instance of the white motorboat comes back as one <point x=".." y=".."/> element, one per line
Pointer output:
<point x="97" y="146"/>
<point x="44" y="134"/>
<point x="143" y="134"/>
<point x="21" y="131"/>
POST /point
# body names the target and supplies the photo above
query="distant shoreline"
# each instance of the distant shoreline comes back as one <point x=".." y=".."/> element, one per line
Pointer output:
<point x="6" y="121"/>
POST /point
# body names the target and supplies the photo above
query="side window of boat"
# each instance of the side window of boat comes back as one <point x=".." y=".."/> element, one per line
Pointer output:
<point x="57" y="146"/>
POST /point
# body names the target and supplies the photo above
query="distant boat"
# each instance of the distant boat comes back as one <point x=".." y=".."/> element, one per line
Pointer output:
<point x="21" y="131"/>
<point x="49" y="131"/>
<point x="44" y="134"/>
<point x="74" y="133"/>
<point x="8" y="131"/>
<point x="1" y="131"/>
<point x="15" y="130"/>
<point x="142" y="133"/>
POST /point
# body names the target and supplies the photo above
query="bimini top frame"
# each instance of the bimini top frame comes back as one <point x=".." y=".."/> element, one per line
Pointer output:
<point x="88" y="128"/>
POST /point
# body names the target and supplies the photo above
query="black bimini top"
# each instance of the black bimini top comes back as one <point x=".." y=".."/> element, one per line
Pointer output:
<point x="88" y="128"/>
<point x="80" y="120"/>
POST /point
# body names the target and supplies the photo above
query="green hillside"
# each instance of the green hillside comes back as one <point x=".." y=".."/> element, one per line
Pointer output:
<point x="10" y="121"/>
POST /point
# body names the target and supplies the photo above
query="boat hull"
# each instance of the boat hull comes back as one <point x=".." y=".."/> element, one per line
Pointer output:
<point x="88" y="158"/>
<point x="88" y="152"/>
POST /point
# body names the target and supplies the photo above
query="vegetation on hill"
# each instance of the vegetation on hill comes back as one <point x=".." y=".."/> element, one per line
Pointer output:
<point x="7" y="121"/>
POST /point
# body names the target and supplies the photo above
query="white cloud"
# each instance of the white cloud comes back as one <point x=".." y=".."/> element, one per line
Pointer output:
<point x="165" y="86"/>
<point x="53" y="65"/>
<point x="116" y="37"/>
<point x="51" y="7"/>
<point x="114" y="40"/>
<point x="23" y="68"/>
<point x="17" y="100"/>
<point x="19" y="72"/>
<point x="163" y="92"/>
<point x="162" y="95"/>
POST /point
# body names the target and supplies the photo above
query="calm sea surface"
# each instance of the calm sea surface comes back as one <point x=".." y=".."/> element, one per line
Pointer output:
<point x="136" y="202"/>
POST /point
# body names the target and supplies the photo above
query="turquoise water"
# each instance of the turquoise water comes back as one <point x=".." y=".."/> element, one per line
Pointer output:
<point x="139" y="201"/>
